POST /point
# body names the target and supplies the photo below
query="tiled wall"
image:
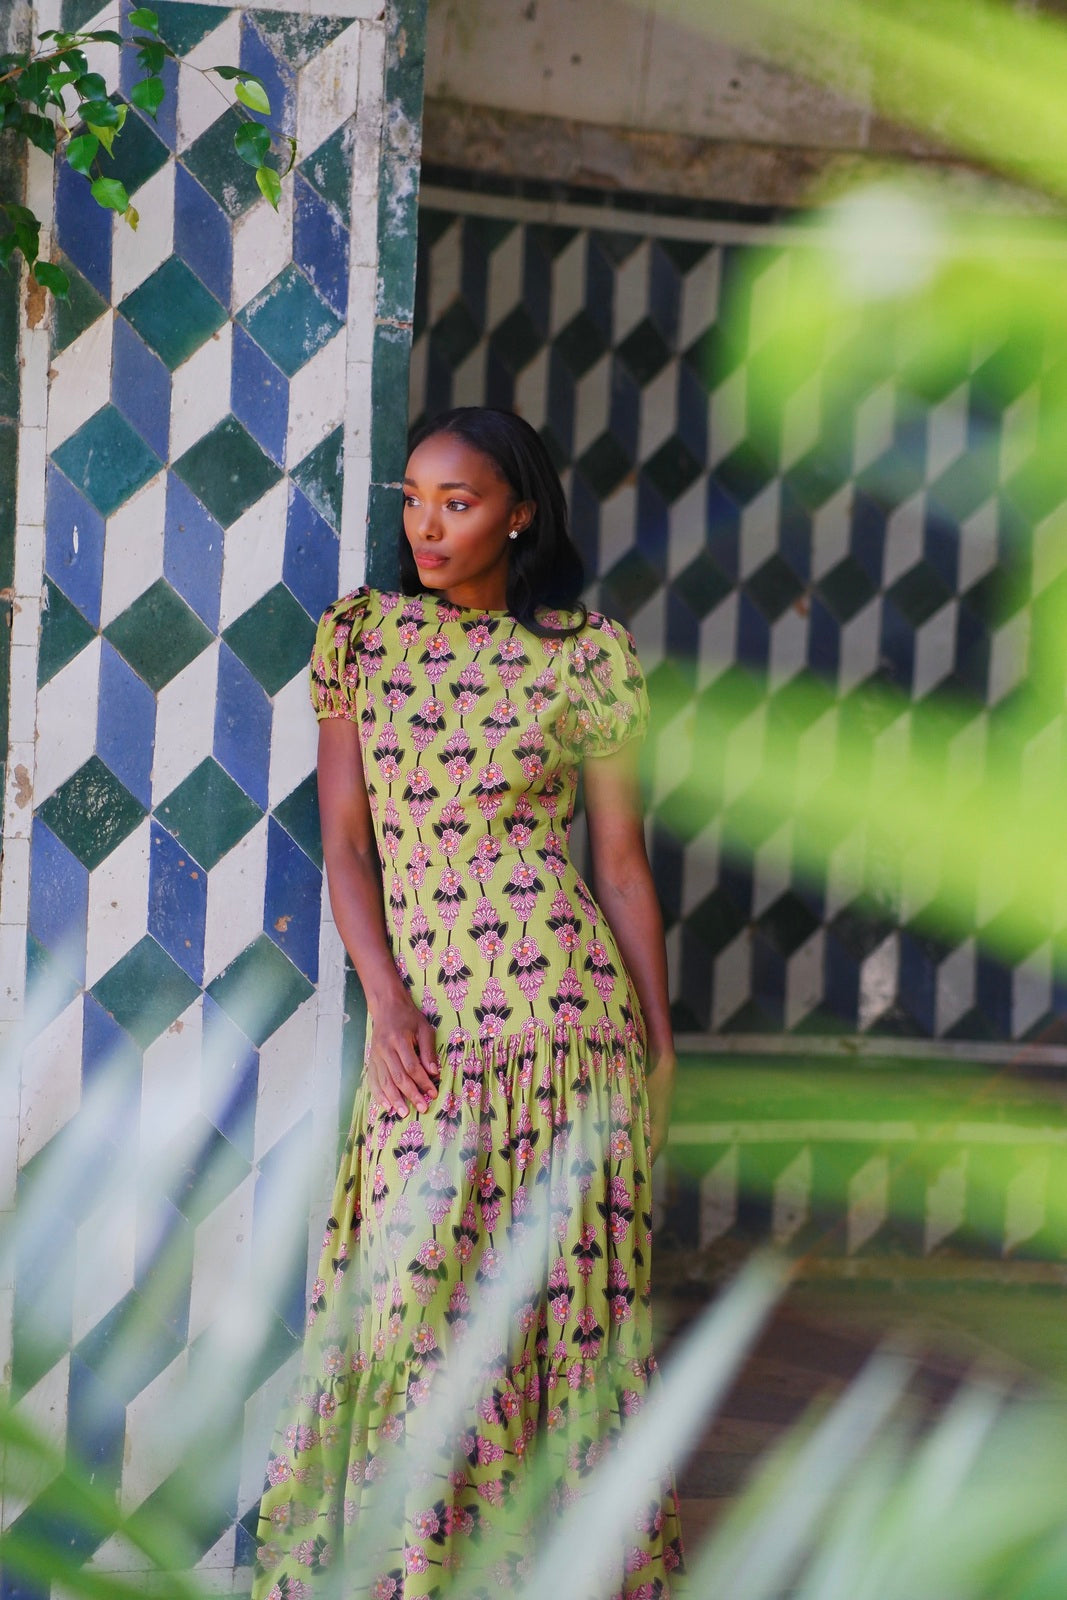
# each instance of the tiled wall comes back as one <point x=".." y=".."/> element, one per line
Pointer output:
<point x="880" y="555"/>
<point x="197" y="456"/>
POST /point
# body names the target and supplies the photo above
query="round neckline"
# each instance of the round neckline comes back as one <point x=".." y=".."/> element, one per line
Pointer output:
<point x="472" y="611"/>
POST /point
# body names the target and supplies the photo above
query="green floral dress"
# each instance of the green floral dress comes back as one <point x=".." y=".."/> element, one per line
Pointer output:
<point x="479" y="1331"/>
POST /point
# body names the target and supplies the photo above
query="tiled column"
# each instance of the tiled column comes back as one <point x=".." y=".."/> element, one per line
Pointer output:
<point x="205" y="453"/>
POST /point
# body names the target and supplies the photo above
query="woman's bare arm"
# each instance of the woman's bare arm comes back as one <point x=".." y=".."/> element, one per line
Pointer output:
<point x="622" y="880"/>
<point x="402" y="1063"/>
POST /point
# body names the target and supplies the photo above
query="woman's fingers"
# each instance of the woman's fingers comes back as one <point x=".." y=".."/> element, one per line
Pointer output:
<point x="404" y="1071"/>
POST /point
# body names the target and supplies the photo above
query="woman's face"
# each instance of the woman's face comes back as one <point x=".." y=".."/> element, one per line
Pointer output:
<point x="458" y="513"/>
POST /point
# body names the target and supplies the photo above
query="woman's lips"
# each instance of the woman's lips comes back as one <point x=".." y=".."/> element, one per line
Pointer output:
<point x="428" y="558"/>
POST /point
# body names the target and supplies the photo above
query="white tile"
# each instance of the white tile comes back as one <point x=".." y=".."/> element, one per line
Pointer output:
<point x="468" y="378"/>
<point x="659" y="410"/>
<point x="137" y="253"/>
<point x="9" y="1164"/>
<point x="804" y="979"/>
<point x="170" y="1087"/>
<point x="202" y="98"/>
<point x="23" y="665"/>
<point x="879" y="979"/>
<point x="946" y="431"/>
<point x="363" y="228"/>
<point x="446" y="262"/>
<point x="154" y="1438"/>
<point x="222" y="1252"/>
<point x="133" y="549"/>
<point x="260" y="1420"/>
<point x="104" y="1259"/>
<point x="362" y="299"/>
<point x="235" y="901"/>
<point x="7" y="1311"/>
<point x="15" y="890"/>
<point x="44" y="1408"/>
<point x="592" y="404"/>
<point x="29" y="498"/>
<point x="219" y="1561"/>
<point x="262" y="246"/>
<point x="868" y="1202"/>
<point x="253" y="552"/>
<point x="51" y="1080"/>
<point x="728" y="417"/>
<point x="285" y="1089"/>
<point x="358" y="408"/>
<point x="82" y="382"/>
<point x="700" y="298"/>
<point x="800" y="421"/>
<point x="185" y="722"/>
<point x="732" y="981"/>
<point x="200" y="396"/>
<point x="531" y="389"/>
<point x="328" y="90"/>
<point x="760" y="521"/>
<point x="353" y="556"/>
<point x="504" y="285"/>
<point x="29" y="551"/>
<point x="631" y="291"/>
<point x="118" y="903"/>
<point x="946" y="1202"/>
<point x="66" y="721"/>
<point x="18" y="789"/>
<point x="568" y="283"/>
<point x="316" y="399"/>
<point x="873" y="425"/>
<point x="830" y="529"/>
<point x="26" y="619"/>
<point x="687" y="521"/>
<point x="294" y="738"/>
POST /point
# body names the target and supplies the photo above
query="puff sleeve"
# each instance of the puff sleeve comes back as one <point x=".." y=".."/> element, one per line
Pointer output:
<point x="606" y="687"/>
<point x="335" y="658"/>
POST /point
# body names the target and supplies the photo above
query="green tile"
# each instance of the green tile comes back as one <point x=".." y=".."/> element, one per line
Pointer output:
<point x="8" y="462"/>
<point x="389" y="429"/>
<point x="298" y="814"/>
<point x="295" y="39"/>
<point x="329" y="170"/>
<point x="74" y="14"/>
<point x="50" y="987"/>
<point x="145" y="991"/>
<point x="138" y="155"/>
<point x="672" y="469"/>
<point x="321" y="476"/>
<point x="92" y="812"/>
<point x="107" y="460"/>
<point x="173" y="312"/>
<point x="183" y="23"/>
<point x="158" y="634"/>
<point x="9" y="337"/>
<point x="214" y="161"/>
<point x="82" y="307"/>
<point x="455" y="334"/>
<point x="208" y="813"/>
<point x="260" y="990"/>
<point x="516" y="340"/>
<point x="605" y="464"/>
<point x="581" y="344"/>
<point x="384" y="512"/>
<point x="273" y="638"/>
<point x="644" y="351"/>
<point x="227" y="471"/>
<point x="289" y="321"/>
<point x="64" y="631"/>
<point x="397" y="246"/>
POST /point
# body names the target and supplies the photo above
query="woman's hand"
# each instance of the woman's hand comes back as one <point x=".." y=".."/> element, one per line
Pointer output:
<point x="402" y="1066"/>
<point x="659" y="1082"/>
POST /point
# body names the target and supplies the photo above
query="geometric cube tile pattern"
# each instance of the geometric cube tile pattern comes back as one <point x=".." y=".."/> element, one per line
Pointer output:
<point x="193" y="536"/>
<point x="890" y="548"/>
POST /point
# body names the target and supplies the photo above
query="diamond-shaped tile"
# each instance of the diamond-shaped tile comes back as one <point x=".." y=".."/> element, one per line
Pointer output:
<point x="321" y="476"/>
<point x="630" y="582"/>
<point x="702" y="584"/>
<point x="846" y="588"/>
<point x="138" y="153"/>
<point x="774" y="587"/>
<point x="183" y="23"/>
<point x="644" y="351"/>
<point x="158" y="634"/>
<point x="173" y="312"/>
<point x="454" y="334"/>
<point x="919" y="593"/>
<point x="604" y="465"/>
<point x="208" y="813"/>
<point x="92" y="812"/>
<point x="289" y="320"/>
<point x="581" y="343"/>
<point x="227" y="471"/>
<point x="516" y="340"/>
<point x="260" y="989"/>
<point x="107" y="460"/>
<point x="672" y="469"/>
<point x="145" y="991"/>
<point x="81" y="308"/>
<point x="64" y="631"/>
<point x="329" y="170"/>
<point x="273" y="638"/>
<point x="298" y="814"/>
<point x="213" y="159"/>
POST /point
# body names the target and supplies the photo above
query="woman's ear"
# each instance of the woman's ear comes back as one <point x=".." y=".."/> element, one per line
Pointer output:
<point x="523" y="514"/>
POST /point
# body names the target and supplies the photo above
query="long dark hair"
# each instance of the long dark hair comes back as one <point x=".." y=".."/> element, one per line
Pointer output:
<point x="544" y="566"/>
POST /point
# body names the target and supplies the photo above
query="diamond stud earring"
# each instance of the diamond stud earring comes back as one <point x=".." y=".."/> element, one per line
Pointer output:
<point x="514" y="534"/>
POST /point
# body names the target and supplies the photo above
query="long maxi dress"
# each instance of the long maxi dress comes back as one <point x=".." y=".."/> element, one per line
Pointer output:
<point x="500" y="1238"/>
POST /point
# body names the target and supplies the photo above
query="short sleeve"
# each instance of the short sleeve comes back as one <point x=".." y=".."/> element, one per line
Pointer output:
<point x="607" y="688"/>
<point x="335" y="658"/>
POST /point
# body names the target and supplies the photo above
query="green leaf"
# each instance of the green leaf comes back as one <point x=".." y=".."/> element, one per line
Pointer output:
<point x="28" y="239"/>
<point x="148" y="94"/>
<point x="106" y="136"/>
<point x="270" y="184"/>
<point x="252" y="94"/>
<point x="82" y="152"/>
<point x="228" y="72"/>
<point x="52" y="277"/>
<point x="104" y="36"/>
<point x="152" y="54"/>
<point x="110" y="193"/>
<point x="62" y="80"/>
<point x="33" y="80"/>
<point x="101" y="113"/>
<point x="40" y="131"/>
<point x="91" y="86"/>
<point x="143" y="18"/>
<point x="18" y="213"/>
<point x="291" y="142"/>
<point x="252" y="143"/>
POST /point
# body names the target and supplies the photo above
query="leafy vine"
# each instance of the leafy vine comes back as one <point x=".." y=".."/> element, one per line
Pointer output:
<point x="35" y="87"/>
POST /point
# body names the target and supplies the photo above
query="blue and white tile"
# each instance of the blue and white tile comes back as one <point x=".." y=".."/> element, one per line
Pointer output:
<point x="170" y="1092"/>
<point x="201" y="96"/>
<point x="44" y="1410"/>
<point x="242" y="726"/>
<point x="504" y="280"/>
<point x="235" y="901"/>
<point x="253" y="554"/>
<point x="82" y="382"/>
<point x="328" y="90"/>
<point x="731" y="980"/>
<point x="155" y="1439"/>
<point x="568" y="283"/>
<point x="700" y="299"/>
<point x="728" y="416"/>
<point x="185" y="722"/>
<point x="282" y="1097"/>
<point x="222" y="1255"/>
<point x="631" y="292"/>
<point x="104" y="1256"/>
<point x="531" y="389"/>
<point x="805" y="982"/>
<point x="262" y="246"/>
<point x="873" y="427"/>
<point x="316" y="399"/>
<point x="201" y="391"/>
<point x="759" y="528"/>
<point x="294" y="739"/>
<point x="51" y="1080"/>
<point x="659" y="411"/>
<point x="66" y="720"/>
<point x="138" y="252"/>
<point x="133" y="548"/>
<point x="118" y="903"/>
<point x="801" y="422"/>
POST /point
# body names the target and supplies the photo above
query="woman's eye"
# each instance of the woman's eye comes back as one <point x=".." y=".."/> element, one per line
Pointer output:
<point x="410" y="500"/>
<point x="458" y="505"/>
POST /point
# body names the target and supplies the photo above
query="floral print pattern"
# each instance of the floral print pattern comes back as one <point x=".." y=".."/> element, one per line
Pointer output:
<point x="499" y="1240"/>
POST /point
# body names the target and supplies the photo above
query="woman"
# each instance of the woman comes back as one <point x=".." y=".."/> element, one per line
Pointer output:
<point x="479" y="1331"/>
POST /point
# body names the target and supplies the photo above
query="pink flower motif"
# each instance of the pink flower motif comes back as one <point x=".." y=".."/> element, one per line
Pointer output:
<point x="424" y="1339"/>
<point x="383" y="1588"/>
<point x="278" y="1470"/>
<point x="488" y="1451"/>
<point x="490" y="945"/>
<point x="430" y="1254"/>
<point x="426" y="1523"/>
